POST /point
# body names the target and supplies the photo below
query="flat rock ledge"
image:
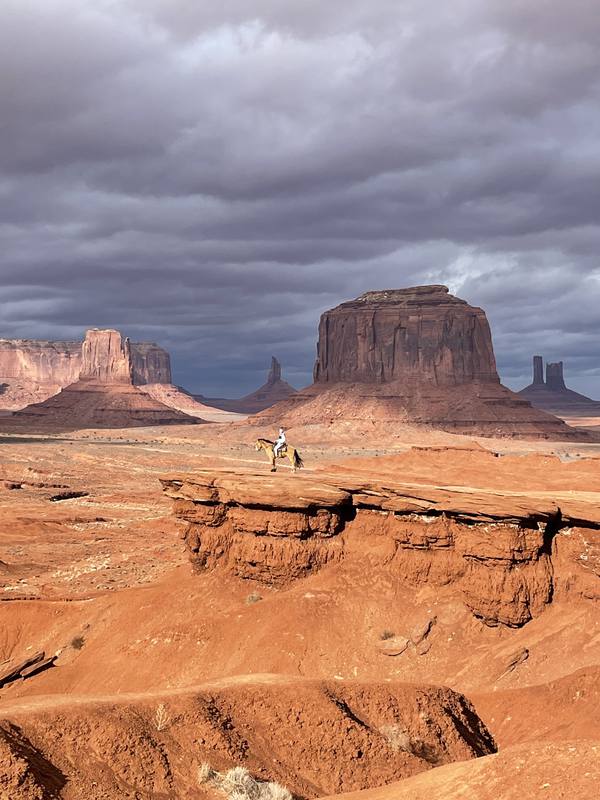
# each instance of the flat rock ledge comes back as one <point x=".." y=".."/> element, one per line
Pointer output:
<point x="509" y="554"/>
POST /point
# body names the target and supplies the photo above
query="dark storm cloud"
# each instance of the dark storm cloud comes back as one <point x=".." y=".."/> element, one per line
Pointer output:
<point x="212" y="176"/>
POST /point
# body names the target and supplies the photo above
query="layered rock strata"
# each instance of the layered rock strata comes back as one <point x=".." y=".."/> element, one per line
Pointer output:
<point x="508" y="555"/>
<point x="104" y="396"/>
<point x="423" y="335"/>
<point x="106" y="358"/>
<point x="418" y="356"/>
<point x="33" y="370"/>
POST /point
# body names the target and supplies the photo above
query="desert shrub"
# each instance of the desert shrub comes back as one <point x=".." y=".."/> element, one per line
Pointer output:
<point x="206" y="774"/>
<point x="384" y="635"/>
<point x="77" y="642"/>
<point x="238" y="781"/>
<point x="254" y="597"/>
<point x="278" y="792"/>
<point x="397" y="738"/>
<point x="238" y="784"/>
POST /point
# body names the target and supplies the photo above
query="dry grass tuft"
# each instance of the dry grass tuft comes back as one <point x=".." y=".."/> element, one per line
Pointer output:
<point x="206" y="774"/>
<point x="162" y="720"/>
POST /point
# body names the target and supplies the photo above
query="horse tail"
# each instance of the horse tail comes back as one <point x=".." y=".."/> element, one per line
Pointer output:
<point x="298" y="463"/>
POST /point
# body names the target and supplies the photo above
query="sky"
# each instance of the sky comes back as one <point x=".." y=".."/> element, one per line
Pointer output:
<point x="212" y="176"/>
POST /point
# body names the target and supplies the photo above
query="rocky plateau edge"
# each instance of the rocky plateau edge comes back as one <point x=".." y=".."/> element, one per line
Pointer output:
<point x="509" y="555"/>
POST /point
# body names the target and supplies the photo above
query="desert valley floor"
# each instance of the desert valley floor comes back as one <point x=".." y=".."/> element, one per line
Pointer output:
<point x="412" y="622"/>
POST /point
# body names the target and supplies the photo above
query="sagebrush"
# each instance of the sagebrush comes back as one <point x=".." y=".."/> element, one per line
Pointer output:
<point x="397" y="738"/>
<point x="238" y="784"/>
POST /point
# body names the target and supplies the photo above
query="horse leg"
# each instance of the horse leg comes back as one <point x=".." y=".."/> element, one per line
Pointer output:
<point x="272" y="458"/>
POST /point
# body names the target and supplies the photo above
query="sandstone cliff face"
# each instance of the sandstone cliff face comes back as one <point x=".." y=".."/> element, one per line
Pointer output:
<point x="32" y="371"/>
<point x="60" y="363"/>
<point x="422" y="334"/>
<point x="150" y="364"/>
<point x="104" y="396"/>
<point x="106" y="357"/>
<point x="417" y="356"/>
<point x="44" y="362"/>
<point x="499" y="553"/>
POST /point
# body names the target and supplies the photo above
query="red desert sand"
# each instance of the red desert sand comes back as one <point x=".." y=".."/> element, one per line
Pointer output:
<point x="403" y="624"/>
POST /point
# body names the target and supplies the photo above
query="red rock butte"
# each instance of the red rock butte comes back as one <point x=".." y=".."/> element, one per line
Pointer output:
<point x="271" y="392"/>
<point x="105" y="394"/>
<point x="33" y="370"/>
<point x="423" y="334"/>
<point x="553" y="394"/>
<point x="417" y="355"/>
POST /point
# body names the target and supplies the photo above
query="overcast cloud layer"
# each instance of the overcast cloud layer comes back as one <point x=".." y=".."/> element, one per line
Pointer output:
<point x="213" y="175"/>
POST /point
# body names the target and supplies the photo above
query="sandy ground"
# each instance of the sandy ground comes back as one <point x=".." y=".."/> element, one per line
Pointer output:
<point x="92" y="568"/>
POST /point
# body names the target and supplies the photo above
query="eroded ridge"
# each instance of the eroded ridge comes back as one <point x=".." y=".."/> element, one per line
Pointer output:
<point x="322" y="737"/>
<point x="509" y="555"/>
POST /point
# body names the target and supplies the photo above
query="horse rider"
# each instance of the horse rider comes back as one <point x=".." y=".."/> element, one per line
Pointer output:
<point x="280" y="443"/>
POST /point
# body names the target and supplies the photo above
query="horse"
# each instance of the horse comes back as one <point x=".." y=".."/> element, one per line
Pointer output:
<point x="269" y="447"/>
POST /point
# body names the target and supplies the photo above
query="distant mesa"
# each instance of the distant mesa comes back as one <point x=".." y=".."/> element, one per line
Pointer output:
<point x="553" y="394"/>
<point x="33" y="370"/>
<point x="419" y="356"/>
<point x="273" y="391"/>
<point x="105" y="394"/>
